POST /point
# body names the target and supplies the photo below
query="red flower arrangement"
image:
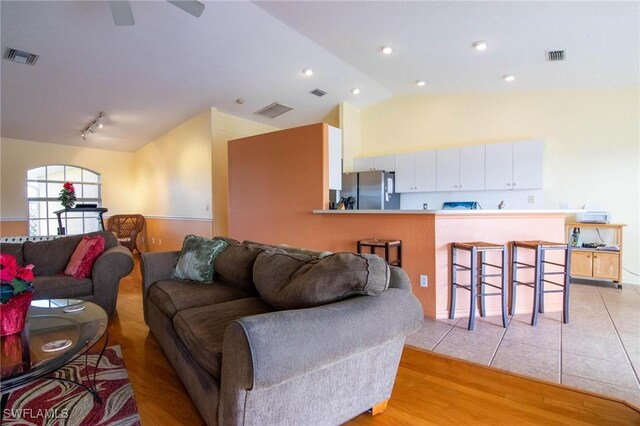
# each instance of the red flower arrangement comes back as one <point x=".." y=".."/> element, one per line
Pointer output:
<point x="15" y="295"/>
<point x="67" y="195"/>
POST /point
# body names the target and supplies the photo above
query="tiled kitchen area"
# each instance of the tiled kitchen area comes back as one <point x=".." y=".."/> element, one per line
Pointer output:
<point x="599" y="350"/>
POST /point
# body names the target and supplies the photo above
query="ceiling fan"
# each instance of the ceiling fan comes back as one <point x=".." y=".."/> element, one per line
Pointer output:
<point x="123" y="16"/>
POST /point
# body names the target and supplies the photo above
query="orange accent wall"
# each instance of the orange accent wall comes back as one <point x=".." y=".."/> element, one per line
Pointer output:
<point x="17" y="228"/>
<point x="277" y="179"/>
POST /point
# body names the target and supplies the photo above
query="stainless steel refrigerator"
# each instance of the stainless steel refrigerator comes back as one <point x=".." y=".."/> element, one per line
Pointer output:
<point x="372" y="190"/>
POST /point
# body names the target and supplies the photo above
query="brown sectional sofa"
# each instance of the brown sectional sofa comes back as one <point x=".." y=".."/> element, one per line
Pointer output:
<point x="50" y="258"/>
<point x="244" y="362"/>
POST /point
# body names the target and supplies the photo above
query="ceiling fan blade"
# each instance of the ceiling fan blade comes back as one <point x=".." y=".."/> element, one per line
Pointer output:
<point x="190" y="6"/>
<point x="122" y="14"/>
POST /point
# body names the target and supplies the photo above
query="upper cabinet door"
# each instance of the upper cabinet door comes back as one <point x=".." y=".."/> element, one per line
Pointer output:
<point x="335" y="158"/>
<point x="472" y="168"/>
<point x="425" y="171"/>
<point x="385" y="162"/>
<point x="362" y="164"/>
<point x="499" y="166"/>
<point x="448" y="169"/>
<point x="405" y="172"/>
<point x="527" y="164"/>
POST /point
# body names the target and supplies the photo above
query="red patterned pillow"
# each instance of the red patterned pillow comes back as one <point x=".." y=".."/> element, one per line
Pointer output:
<point x="83" y="257"/>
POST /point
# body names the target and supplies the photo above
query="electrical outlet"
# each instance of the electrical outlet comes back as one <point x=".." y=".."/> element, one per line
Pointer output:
<point x="532" y="199"/>
<point x="424" y="281"/>
<point x="142" y="238"/>
<point x="153" y="240"/>
<point x="159" y="240"/>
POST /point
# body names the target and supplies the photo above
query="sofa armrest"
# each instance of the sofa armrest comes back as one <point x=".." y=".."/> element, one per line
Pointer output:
<point x="286" y="344"/>
<point x="112" y="265"/>
<point x="155" y="266"/>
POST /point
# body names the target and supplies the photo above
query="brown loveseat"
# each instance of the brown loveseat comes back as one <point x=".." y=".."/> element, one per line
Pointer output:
<point x="244" y="362"/>
<point x="50" y="257"/>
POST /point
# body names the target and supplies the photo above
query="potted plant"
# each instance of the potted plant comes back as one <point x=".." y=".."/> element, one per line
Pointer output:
<point x="16" y="292"/>
<point x="67" y="195"/>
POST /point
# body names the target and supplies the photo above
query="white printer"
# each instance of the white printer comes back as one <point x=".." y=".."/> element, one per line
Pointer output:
<point x="593" y="217"/>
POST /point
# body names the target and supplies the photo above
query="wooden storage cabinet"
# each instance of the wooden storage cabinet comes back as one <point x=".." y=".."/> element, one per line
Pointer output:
<point x="599" y="264"/>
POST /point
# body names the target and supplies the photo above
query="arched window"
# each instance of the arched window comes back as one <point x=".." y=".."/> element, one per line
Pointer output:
<point x="43" y="187"/>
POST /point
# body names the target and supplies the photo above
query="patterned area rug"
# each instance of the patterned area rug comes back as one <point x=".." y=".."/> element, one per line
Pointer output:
<point x="52" y="402"/>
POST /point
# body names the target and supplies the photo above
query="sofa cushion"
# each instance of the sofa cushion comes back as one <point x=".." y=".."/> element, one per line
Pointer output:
<point x="235" y="264"/>
<point x="51" y="257"/>
<point x="295" y="281"/>
<point x="14" y="249"/>
<point x="195" y="261"/>
<point x="86" y="252"/>
<point x="202" y="329"/>
<point x="61" y="287"/>
<point x="172" y="296"/>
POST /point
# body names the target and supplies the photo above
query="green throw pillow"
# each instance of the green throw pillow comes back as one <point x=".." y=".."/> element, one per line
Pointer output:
<point x="195" y="262"/>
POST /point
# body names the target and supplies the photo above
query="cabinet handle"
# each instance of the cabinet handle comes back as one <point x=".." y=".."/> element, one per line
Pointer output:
<point x="515" y="183"/>
<point x="595" y="257"/>
<point x="508" y="184"/>
<point x="455" y="186"/>
<point x="460" y="186"/>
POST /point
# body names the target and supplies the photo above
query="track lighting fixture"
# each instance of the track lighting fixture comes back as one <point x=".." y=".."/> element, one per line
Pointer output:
<point x="90" y="126"/>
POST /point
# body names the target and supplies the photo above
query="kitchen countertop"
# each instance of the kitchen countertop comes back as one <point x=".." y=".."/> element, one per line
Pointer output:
<point x="451" y="211"/>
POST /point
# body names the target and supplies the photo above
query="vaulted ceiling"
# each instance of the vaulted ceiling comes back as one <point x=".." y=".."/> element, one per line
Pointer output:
<point x="169" y="66"/>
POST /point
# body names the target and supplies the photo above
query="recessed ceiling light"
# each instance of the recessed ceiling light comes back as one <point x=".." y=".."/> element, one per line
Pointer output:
<point x="509" y="77"/>
<point x="420" y="83"/>
<point x="387" y="50"/>
<point x="239" y="101"/>
<point x="307" y="71"/>
<point x="355" y="91"/>
<point x="479" y="45"/>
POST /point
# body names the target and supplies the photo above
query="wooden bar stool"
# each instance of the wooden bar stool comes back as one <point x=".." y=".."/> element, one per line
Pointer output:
<point x="374" y="243"/>
<point x="539" y="274"/>
<point x="477" y="275"/>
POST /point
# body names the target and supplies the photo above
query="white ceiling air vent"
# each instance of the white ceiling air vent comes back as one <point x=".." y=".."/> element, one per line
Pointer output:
<point x="555" y="55"/>
<point x="20" y="56"/>
<point x="319" y="93"/>
<point x="273" y="110"/>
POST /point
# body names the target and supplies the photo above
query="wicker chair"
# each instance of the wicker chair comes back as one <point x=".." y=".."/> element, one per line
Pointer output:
<point x="126" y="228"/>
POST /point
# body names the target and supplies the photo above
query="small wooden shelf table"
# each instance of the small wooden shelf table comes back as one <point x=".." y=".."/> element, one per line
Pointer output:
<point x="594" y="263"/>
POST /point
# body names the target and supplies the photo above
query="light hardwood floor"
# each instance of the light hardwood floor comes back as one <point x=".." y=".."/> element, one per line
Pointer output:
<point x="429" y="389"/>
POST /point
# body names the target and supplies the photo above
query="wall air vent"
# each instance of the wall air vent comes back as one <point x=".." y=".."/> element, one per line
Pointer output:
<point x="555" y="55"/>
<point x="319" y="93"/>
<point x="273" y="110"/>
<point x="20" y="56"/>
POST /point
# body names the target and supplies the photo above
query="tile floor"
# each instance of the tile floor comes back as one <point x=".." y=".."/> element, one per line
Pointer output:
<point x="599" y="350"/>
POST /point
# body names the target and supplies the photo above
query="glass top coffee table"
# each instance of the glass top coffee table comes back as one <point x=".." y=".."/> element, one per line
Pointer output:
<point x="57" y="331"/>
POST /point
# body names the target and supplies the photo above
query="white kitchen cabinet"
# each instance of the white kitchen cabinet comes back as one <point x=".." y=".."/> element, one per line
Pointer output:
<point x="385" y="162"/>
<point x="514" y="165"/>
<point x="335" y="158"/>
<point x="416" y="171"/>
<point x="527" y="164"/>
<point x="448" y="169"/>
<point x="472" y="168"/>
<point x="362" y="164"/>
<point x="460" y="169"/>
<point x="380" y="162"/>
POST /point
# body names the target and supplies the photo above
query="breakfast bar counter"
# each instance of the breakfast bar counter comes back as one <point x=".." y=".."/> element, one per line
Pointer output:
<point x="426" y="237"/>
